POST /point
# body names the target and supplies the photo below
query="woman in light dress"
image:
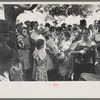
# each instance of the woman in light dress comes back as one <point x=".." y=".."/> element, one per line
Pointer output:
<point x="24" y="51"/>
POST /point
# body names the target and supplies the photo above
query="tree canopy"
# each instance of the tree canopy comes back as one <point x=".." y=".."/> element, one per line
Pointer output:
<point x="67" y="9"/>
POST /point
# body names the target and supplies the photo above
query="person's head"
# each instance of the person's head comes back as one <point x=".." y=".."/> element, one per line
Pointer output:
<point x="63" y="25"/>
<point x="7" y="56"/>
<point x="52" y="30"/>
<point x="32" y="23"/>
<point x="27" y="23"/>
<point x="91" y="27"/>
<point x="83" y="23"/>
<point x="4" y="31"/>
<point x="69" y="27"/>
<point x="74" y="28"/>
<point x="64" y="30"/>
<point x="85" y="33"/>
<point x="39" y="44"/>
<point x="55" y="22"/>
<point x="95" y="24"/>
<point x="67" y="35"/>
<point x="35" y="25"/>
<point x="59" y="30"/>
<point x="59" y="33"/>
<point x="47" y="26"/>
<point x="19" y="25"/>
<point x="25" y="31"/>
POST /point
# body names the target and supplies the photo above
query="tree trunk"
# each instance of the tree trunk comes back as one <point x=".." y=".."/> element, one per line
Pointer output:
<point x="10" y="20"/>
<point x="11" y="13"/>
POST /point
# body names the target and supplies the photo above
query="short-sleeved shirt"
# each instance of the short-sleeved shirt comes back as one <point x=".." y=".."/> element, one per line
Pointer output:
<point x="82" y="43"/>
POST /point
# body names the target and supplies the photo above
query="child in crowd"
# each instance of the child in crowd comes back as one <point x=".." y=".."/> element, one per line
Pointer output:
<point x="40" y="61"/>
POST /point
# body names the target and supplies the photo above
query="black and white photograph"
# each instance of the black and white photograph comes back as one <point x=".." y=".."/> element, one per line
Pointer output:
<point x="49" y="42"/>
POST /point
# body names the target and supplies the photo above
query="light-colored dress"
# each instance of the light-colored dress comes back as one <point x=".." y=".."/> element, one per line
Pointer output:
<point x="40" y="66"/>
<point x="41" y="70"/>
<point x="24" y="53"/>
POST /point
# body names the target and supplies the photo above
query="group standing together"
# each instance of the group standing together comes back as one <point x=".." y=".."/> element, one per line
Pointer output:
<point x="52" y="53"/>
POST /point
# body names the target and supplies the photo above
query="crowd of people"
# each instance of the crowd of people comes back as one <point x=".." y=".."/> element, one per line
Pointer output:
<point x="50" y="52"/>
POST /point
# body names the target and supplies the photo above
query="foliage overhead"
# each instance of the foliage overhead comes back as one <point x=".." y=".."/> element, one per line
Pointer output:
<point x="67" y="9"/>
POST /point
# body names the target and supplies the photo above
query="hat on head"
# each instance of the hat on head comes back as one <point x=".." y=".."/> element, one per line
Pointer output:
<point x="27" y="22"/>
<point x="3" y="27"/>
<point x="47" y="25"/>
<point x="83" y="22"/>
<point x="63" y="24"/>
<point x="6" y="53"/>
<point x="59" y="29"/>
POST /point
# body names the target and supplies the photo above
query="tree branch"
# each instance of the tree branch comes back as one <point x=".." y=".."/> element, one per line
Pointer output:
<point x="31" y="7"/>
<point x="26" y="6"/>
<point x="21" y="8"/>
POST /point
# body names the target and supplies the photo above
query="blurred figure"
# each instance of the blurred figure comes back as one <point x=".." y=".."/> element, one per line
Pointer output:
<point x="16" y="71"/>
<point x="7" y="57"/>
<point x="8" y="51"/>
<point x="4" y="32"/>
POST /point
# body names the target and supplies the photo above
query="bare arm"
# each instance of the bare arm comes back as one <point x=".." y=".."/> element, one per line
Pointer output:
<point x="39" y="61"/>
<point x="75" y="52"/>
<point x="74" y="46"/>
